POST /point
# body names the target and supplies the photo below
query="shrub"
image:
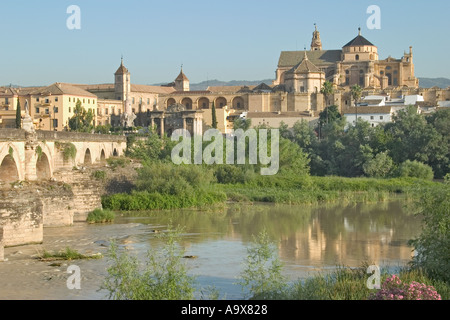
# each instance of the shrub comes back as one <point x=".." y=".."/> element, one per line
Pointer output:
<point x="99" y="175"/>
<point x="432" y="246"/>
<point x="164" y="276"/>
<point x="262" y="274"/>
<point x="379" y="167"/>
<point x="101" y="216"/>
<point x="115" y="162"/>
<point x="393" y="289"/>
<point x="415" y="169"/>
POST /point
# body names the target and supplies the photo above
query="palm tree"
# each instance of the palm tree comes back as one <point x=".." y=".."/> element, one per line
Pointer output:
<point x="327" y="90"/>
<point x="356" y="95"/>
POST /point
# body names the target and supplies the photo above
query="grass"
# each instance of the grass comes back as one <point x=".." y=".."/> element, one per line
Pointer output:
<point x="67" y="254"/>
<point x="101" y="216"/>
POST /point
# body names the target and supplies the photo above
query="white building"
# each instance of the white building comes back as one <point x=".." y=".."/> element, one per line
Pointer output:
<point x="374" y="115"/>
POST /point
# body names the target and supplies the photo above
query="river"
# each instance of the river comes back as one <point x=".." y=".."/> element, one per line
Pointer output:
<point x="310" y="239"/>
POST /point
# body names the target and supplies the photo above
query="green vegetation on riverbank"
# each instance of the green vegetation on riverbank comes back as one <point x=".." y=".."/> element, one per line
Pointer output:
<point x="67" y="254"/>
<point x="101" y="216"/>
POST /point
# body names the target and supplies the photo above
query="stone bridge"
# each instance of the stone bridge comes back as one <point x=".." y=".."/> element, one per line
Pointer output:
<point x="38" y="155"/>
<point x="28" y="156"/>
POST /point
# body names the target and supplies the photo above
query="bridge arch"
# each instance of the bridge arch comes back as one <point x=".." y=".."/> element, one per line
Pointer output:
<point x="87" y="157"/>
<point x="8" y="169"/>
<point x="43" y="169"/>
<point x="10" y="164"/>
<point x="102" y="156"/>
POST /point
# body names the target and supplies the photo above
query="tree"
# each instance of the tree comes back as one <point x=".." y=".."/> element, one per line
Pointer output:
<point x="242" y="123"/>
<point x="214" y="116"/>
<point x="327" y="90"/>
<point x="356" y="95"/>
<point x="379" y="167"/>
<point x="18" y="116"/>
<point x="412" y="138"/>
<point x="82" y="121"/>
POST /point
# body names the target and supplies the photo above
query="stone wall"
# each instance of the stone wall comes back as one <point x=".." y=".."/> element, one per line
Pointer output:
<point x="21" y="217"/>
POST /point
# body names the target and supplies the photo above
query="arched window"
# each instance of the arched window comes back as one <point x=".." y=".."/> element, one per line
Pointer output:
<point x="357" y="57"/>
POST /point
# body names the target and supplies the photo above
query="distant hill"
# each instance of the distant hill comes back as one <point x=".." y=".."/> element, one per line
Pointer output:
<point x="424" y="83"/>
<point x="434" y="82"/>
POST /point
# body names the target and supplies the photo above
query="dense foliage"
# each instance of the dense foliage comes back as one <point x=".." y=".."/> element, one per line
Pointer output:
<point x="389" y="150"/>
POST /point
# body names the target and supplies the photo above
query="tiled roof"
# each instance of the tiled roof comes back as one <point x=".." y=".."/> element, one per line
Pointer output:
<point x="227" y="89"/>
<point x="103" y="86"/>
<point x="359" y="41"/>
<point x="319" y="57"/>
<point x="181" y="77"/>
<point x="151" y="89"/>
<point x="369" y="110"/>
<point x="122" y="69"/>
<point x="62" y="88"/>
<point x="305" y="66"/>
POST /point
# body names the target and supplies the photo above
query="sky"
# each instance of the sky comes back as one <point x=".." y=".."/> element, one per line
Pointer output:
<point x="224" y="40"/>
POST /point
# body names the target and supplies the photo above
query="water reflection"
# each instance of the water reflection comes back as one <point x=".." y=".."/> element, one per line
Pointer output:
<point x="307" y="236"/>
<point x="309" y="239"/>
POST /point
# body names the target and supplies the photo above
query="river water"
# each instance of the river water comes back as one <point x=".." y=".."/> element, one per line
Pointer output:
<point x="310" y="239"/>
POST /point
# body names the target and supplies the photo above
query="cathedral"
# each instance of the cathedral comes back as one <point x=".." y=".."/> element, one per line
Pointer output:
<point x="357" y="63"/>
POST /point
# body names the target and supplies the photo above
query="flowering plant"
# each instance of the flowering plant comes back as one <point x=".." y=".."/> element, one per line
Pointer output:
<point x="394" y="289"/>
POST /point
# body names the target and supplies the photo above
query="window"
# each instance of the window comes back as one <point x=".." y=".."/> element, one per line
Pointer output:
<point x="6" y="100"/>
<point x="70" y="109"/>
<point x="55" y="123"/>
<point x="56" y="99"/>
<point x="47" y="111"/>
<point x="395" y="71"/>
<point x="84" y="101"/>
<point x="55" y="109"/>
<point x="388" y="68"/>
<point x="47" y="100"/>
<point x="357" y="57"/>
<point x="381" y="73"/>
<point x="106" y="111"/>
<point x="140" y="100"/>
<point x="69" y="99"/>
<point x="120" y="111"/>
<point x="89" y="101"/>
<point x="37" y="110"/>
<point x="381" y="117"/>
<point x="112" y="110"/>
<point x="371" y="117"/>
<point x="133" y="101"/>
<point x="148" y="101"/>
<point x="37" y="99"/>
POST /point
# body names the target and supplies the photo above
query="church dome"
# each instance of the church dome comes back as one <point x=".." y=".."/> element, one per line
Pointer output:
<point x="359" y="41"/>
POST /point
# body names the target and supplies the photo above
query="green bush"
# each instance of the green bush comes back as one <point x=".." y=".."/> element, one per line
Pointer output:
<point x="164" y="276"/>
<point x="262" y="276"/>
<point x="415" y="169"/>
<point x="115" y="162"/>
<point x="99" y="175"/>
<point x="432" y="246"/>
<point x="101" y="216"/>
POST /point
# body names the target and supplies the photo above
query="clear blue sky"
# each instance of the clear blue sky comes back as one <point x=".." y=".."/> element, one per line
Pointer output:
<point x="225" y="40"/>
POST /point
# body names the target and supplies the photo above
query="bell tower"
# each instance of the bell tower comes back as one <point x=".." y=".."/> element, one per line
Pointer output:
<point x="316" y="43"/>
<point x="122" y="82"/>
